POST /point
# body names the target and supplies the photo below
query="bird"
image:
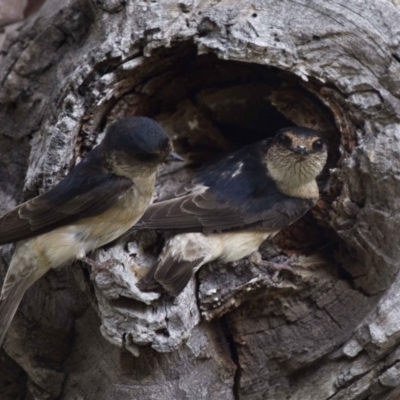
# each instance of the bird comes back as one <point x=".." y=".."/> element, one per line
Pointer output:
<point x="98" y="201"/>
<point x="233" y="205"/>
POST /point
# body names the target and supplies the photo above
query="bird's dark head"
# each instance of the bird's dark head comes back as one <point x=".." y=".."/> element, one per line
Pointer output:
<point x="139" y="139"/>
<point x="297" y="154"/>
<point x="136" y="145"/>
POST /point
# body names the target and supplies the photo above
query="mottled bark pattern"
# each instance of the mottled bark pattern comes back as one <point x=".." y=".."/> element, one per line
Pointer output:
<point x="217" y="75"/>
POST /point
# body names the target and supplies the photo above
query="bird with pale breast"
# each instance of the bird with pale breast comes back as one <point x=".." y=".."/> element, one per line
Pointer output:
<point x="100" y="199"/>
<point x="230" y="207"/>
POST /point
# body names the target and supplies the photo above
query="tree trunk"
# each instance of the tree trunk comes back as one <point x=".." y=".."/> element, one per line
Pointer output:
<point x="217" y="75"/>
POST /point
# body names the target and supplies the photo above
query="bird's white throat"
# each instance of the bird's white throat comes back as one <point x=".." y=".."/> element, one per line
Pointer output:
<point x="296" y="177"/>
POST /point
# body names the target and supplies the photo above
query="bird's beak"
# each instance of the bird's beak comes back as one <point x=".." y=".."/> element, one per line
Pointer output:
<point x="174" y="156"/>
<point x="302" y="150"/>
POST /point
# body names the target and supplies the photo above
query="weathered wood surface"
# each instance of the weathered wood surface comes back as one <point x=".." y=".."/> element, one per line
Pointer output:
<point x="216" y="74"/>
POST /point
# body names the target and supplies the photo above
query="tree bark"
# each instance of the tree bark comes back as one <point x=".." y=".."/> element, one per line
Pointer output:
<point x="217" y="75"/>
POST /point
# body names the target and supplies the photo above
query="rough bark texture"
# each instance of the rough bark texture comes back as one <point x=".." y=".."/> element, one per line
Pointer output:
<point x="217" y="75"/>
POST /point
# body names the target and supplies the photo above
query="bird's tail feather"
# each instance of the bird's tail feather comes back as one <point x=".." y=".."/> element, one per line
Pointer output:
<point x="148" y="283"/>
<point x="9" y="304"/>
<point x="169" y="274"/>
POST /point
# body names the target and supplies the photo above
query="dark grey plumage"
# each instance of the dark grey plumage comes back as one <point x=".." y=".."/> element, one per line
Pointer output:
<point x="233" y="205"/>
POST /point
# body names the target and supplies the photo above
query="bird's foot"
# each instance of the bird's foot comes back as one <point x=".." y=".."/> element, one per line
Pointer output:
<point x="98" y="266"/>
<point x="256" y="259"/>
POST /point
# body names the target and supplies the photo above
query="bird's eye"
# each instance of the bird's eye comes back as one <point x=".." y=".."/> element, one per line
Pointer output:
<point x="284" y="140"/>
<point x="318" y="145"/>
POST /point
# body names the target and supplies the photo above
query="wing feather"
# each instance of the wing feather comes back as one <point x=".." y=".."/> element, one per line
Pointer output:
<point x="87" y="191"/>
<point x="234" y="193"/>
<point x="204" y="213"/>
<point x="9" y="304"/>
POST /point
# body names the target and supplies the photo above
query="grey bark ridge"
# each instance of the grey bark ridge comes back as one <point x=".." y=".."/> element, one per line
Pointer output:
<point x="214" y="73"/>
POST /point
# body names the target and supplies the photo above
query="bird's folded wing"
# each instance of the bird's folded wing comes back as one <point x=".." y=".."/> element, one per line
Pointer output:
<point x="78" y="196"/>
<point x="203" y="211"/>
